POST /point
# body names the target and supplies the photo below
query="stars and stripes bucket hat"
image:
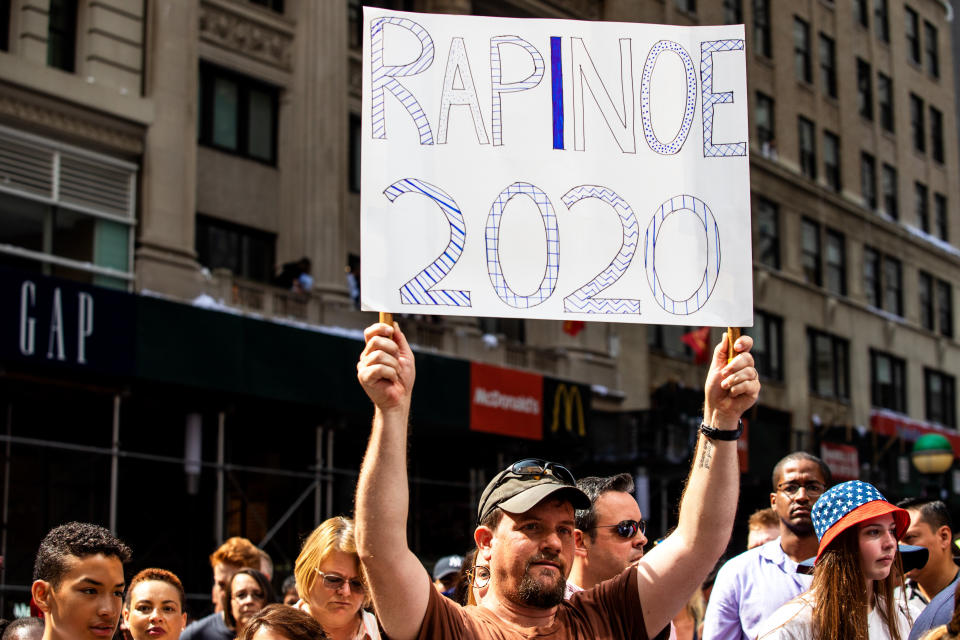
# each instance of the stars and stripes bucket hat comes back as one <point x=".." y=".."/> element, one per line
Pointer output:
<point x="850" y="503"/>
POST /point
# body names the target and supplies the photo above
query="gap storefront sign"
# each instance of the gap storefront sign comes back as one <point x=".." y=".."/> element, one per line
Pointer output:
<point x="60" y="323"/>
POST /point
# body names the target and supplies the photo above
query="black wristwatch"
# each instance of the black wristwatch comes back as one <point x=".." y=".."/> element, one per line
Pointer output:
<point x="721" y="434"/>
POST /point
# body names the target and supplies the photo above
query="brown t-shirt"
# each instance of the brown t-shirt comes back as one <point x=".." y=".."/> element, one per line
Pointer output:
<point x="609" y="611"/>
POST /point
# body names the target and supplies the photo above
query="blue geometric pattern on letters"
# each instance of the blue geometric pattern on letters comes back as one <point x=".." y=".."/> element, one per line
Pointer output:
<point x="496" y="75"/>
<point x="710" y="98"/>
<point x="840" y="500"/>
<point x="419" y="289"/>
<point x="384" y="77"/>
<point x="584" y="299"/>
<point x="676" y="144"/>
<point x="710" y="272"/>
<point x="495" y="271"/>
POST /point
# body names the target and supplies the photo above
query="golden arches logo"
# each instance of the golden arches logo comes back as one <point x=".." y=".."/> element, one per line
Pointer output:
<point x="568" y="396"/>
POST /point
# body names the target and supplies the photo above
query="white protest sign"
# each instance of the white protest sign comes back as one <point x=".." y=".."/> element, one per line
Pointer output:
<point x="555" y="169"/>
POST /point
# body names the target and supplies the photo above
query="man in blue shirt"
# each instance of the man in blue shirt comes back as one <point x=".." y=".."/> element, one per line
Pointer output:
<point x="754" y="584"/>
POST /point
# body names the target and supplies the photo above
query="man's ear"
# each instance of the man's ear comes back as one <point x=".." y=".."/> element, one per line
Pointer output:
<point x="944" y="535"/>
<point x="579" y="546"/>
<point x="483" y="536"/>
<point x="184" y="621"/>
<point x="42" y="592"/>
<point x="773" y="500"/>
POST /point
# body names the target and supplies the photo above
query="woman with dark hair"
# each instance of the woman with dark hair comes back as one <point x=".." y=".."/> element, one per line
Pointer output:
<point x="248" y="592"/>
<point x="856" y="570"/>
<point x="280" y="622"/>
<point x="154" y="606"/>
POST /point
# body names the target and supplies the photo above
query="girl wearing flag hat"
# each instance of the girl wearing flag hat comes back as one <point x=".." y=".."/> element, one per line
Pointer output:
<point x="856" y="570"/>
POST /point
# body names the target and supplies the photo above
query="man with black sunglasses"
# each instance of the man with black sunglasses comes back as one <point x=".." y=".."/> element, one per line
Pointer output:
<point x="526" y="523"/>
<point x="610" y="534"/>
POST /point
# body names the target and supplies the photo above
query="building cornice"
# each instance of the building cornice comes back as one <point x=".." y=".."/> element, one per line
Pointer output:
<point x="249" y="31"/>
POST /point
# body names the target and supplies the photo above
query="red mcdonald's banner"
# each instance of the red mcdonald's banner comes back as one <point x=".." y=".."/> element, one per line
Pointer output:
<point x="506" y="401"/>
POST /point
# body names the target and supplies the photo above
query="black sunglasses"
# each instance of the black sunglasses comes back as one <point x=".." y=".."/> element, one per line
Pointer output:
<point x="626" y="528"/>
<point x="538" y="467"/>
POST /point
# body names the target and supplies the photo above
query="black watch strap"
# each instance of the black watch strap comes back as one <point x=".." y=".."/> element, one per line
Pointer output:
<point x="721" y="434"/>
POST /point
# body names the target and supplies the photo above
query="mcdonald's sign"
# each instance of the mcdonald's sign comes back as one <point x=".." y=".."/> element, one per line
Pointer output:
<point x="566" y="407"/>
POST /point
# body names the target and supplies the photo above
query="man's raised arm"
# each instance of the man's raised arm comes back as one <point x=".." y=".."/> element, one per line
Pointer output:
<point x="672" y="571"/>
<point x="398" y="582"/>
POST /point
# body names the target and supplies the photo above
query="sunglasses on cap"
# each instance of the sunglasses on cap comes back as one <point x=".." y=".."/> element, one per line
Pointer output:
<point x="626" y="528"/>
<point x="536" y="468"/>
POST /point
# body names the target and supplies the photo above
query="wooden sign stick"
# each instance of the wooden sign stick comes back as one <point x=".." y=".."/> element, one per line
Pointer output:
<point x="387" y="318"/>
<point x="732" y="334"/>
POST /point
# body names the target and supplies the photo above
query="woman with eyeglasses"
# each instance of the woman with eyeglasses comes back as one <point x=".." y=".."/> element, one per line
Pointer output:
<point x="247" y="593"/>
<point x="331" y="584"/>
<point x="856" y="571"/>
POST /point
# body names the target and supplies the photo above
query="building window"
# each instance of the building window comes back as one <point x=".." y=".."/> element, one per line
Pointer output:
<point x="916" y="123"/>
<point x="4" y="25"/>
<point x="912" y="27"/>
<point x="836" y="260"/>
<point x="238" y="114"/>
<point x="885" y="101"/>
<point x="941" y="399"/>
<point x="892" y="286"/>
<point x="761" y="28"/>
<point x="767" y="334"/>
<point x="921" y="205"/>
<point x="732" y="11"/>
<point x="945" y="308"/>
<point x="940" y="216"/>
<point x="801" y="50"/>
<point x="872" y="285"/>
<point x="65" y="211"/>
<point x="925" y="295"/>
<point x="355" y="139"/>
<point x="829" y="364"/>
<point x="690" y="6"/>
<point x="765" y="125"/>
<point x="888" y="388"/>
<point x="888" y="191"/>
<point x="831" y="160"/>
<point x="828" y="65"/>
<point x="768" y="233"/>
<point x="274" y="5"/>
<point x="864" y="90"/>
<point x="247" y="252"/>
<point x="883" y="281"/>
<point x="868" y="180"/>
<point x="861" y="12"/>
<point x="808" y="148"/>
<point x="936" y="134"/>
<point x="881" y="20"/>
<point x="810" y="248"/>
<point x="936" y="304"/>
<point x="930" y="51"/>
<point x="62" y="35"/>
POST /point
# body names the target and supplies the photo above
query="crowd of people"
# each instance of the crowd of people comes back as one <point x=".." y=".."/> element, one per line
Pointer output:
<point x="554" y="557"/>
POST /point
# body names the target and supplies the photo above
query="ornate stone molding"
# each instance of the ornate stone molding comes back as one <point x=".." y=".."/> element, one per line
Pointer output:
<point x="222" y="26"/>
<point x="71" y="125"/>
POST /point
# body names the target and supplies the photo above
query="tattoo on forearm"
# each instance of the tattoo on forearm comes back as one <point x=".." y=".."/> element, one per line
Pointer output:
<point x="706" y="454"/>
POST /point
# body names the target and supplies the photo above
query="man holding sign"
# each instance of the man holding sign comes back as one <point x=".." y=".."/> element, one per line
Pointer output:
<point x="527" y="520"/>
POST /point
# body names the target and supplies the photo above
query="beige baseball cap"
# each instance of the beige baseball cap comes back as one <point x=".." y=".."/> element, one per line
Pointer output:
<point x="524" y="484"/>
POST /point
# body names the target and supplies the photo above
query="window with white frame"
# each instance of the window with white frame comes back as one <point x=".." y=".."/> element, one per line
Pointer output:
<point x="65" y="211"/>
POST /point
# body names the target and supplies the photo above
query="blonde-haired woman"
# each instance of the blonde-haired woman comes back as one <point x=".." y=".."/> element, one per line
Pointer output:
<point x="330" y="582"/>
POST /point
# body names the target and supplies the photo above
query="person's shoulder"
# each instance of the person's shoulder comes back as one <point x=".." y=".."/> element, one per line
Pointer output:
<point x="208" y="627"/>
<point x="791" y="616"/>
<point x="743" y="561"/>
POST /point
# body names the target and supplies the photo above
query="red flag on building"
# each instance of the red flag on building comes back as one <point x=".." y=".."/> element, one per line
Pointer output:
<point x="699" y="341"/>
<point x="573" y="327"/>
